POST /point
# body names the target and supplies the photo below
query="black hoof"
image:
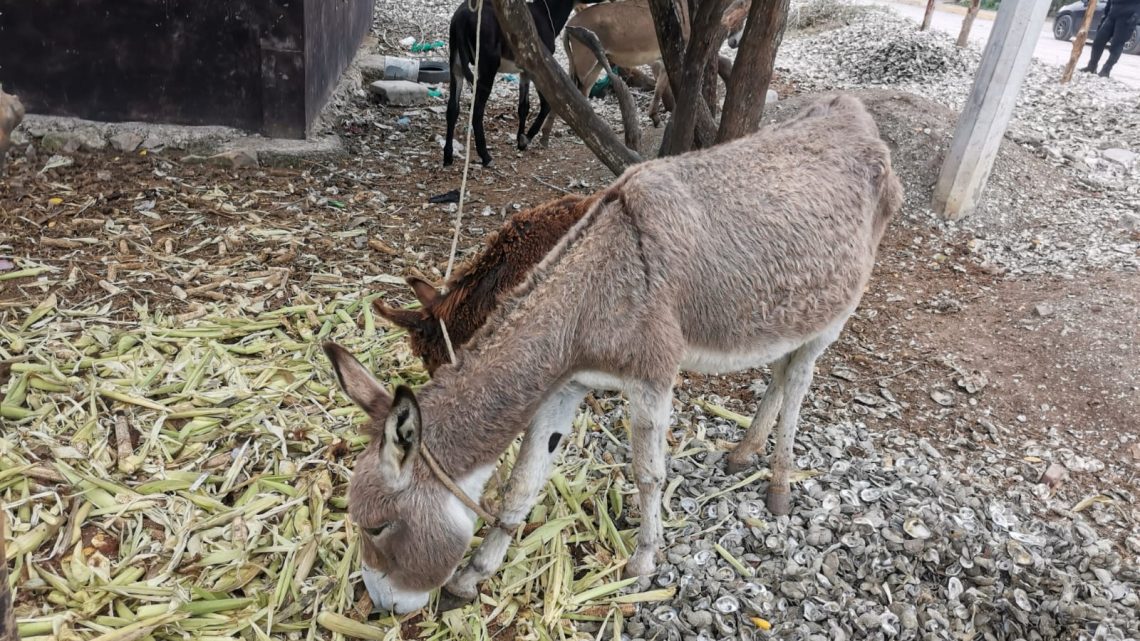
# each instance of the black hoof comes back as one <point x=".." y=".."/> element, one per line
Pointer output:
<point x="447" y="160"/>
<point x="449" y="601"/>
<point x="488" y="162"/>
<point x="524" y="142"/>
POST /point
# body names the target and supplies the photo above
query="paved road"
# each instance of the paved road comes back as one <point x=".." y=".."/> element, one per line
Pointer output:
<point x="1049" y="50"/>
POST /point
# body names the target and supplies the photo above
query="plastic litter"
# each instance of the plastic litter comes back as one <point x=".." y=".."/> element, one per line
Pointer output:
<point x="426" y="46"/>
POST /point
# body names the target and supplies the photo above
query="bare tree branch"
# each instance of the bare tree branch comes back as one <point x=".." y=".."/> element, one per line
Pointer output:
<point x="625" y="99"/>
<point x="967" y="23"/>
<point x="927" y="16"/>
<point x="707" y="34"/>
<point x="671" y="38"/>
<point x="1078" y="46"/>
<point x="752" y="72"/>
<point x="552" y="81"/>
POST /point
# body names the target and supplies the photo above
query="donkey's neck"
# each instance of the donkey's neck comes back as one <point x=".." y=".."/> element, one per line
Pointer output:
<point x="473" y="411"/>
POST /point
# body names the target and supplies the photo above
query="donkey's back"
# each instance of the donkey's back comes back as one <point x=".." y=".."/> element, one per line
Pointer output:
<point x="769" y="239"/>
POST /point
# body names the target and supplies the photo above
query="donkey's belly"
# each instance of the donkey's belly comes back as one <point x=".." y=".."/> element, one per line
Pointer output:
<point x="709" y="361"/>
<point x="633" y="58"/>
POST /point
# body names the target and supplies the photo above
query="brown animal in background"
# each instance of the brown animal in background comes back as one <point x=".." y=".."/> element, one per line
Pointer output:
<point x="11" y="114"/>
<point x="629" y="37"/>
<point x="7" y="607"/>
<point x="735" y="19"/>
<point x="755" y="251"/>
<point x="474" y="289"/>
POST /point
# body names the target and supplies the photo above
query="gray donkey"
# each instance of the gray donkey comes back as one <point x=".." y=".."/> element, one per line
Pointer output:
<point x="752" y="252"/>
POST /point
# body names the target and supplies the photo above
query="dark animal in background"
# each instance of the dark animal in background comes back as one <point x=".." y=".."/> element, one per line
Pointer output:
<point x="496" y="56"/>
<point x="473" y="291"/>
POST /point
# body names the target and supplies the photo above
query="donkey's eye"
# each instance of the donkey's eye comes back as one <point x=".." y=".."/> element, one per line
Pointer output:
<point x="376" y="531"/>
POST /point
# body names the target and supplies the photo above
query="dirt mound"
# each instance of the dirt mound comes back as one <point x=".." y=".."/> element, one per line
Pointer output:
<point x="919" y="133"/>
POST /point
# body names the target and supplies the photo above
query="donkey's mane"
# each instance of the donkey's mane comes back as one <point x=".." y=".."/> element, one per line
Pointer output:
<point x="512" y="300"/>
<point x="514" y="225"/>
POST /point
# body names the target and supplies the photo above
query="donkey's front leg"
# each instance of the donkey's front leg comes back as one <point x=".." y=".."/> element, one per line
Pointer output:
<point x="547" y="432"/>
<point x="649" y="410"/>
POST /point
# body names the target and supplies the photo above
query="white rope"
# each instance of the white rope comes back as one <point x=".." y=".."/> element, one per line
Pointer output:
<point x="466" y="165"/>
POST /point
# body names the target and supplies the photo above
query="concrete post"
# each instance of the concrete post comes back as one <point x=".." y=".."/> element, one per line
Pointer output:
<point x="983" y="121"/>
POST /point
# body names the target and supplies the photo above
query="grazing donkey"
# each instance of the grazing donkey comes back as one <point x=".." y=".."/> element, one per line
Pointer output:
<point x="751" y="252"/>
<point x="474" y="289"/>
<point x="495" y="56"/>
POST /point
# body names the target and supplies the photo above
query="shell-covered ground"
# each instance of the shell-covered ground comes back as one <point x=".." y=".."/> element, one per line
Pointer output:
<point x="174" y="452"/>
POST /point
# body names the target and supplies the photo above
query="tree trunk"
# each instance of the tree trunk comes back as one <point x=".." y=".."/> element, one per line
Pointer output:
<point x="625" y="99"/>
<point x="671" y="38"/>
<point x="752" y="71"/>
<point x="927" y="16"/>
<point x="556" y="86"/>
<point x="967" y="23"/>
<point x="707" y="33"/>
<point x="709" y="91"/>
<point x="1078" y="46"/>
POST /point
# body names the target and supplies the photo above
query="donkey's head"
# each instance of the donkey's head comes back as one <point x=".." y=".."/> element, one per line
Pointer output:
<point x="422" y="324"/>
<point x="735" y="19"/>
<point x="414" y="531"/>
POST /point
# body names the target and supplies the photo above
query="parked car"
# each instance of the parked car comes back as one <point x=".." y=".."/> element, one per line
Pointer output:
<point x="1068" y="22"/>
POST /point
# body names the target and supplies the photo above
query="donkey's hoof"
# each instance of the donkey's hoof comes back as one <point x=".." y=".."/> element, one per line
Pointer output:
<point x="736" y="465"/>
<point x="642" y="563"/>
<point x="449" y="601"/>
<point x="524" y="142"/>
<point x="447" y="160"/>
<point x="779" y="502"/>
<point x="487" y="162"/>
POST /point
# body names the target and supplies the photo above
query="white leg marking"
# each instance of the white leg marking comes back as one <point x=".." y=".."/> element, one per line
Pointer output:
<point x="527" y="479"/>
<point x="649" y="409"/>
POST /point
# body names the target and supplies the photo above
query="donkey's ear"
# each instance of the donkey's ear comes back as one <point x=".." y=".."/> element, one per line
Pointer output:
<point x="357" y="382"/>
<point x="405" y="318"/>
<point x="427" y="294"/>
<point x="401" y="428"/>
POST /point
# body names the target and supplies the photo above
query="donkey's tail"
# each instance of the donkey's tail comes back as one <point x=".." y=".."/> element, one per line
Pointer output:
<point x="573" y="72"/>
<point x="461" y="52"/>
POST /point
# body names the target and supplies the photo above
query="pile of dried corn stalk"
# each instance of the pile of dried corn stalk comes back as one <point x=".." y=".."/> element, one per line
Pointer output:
<point x="165" y="479"/>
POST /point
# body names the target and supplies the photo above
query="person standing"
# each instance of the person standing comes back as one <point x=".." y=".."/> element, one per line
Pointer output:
<point x="1120" y="19"/>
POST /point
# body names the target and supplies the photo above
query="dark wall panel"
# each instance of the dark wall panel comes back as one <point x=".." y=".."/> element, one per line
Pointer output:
<point x="333" y="31"/>
<point x="260" y="65"/>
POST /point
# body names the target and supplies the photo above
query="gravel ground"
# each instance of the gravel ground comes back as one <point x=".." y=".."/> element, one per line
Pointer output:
<point x="1028" y="223"/>
<point x="882" y="543"/>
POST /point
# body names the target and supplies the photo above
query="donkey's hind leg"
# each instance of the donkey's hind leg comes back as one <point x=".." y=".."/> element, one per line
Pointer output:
<point x="544" y="436"/>
<point x="797" y="381"/>
<point x="755" y="440"/>
<point x="649" y="409"/>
